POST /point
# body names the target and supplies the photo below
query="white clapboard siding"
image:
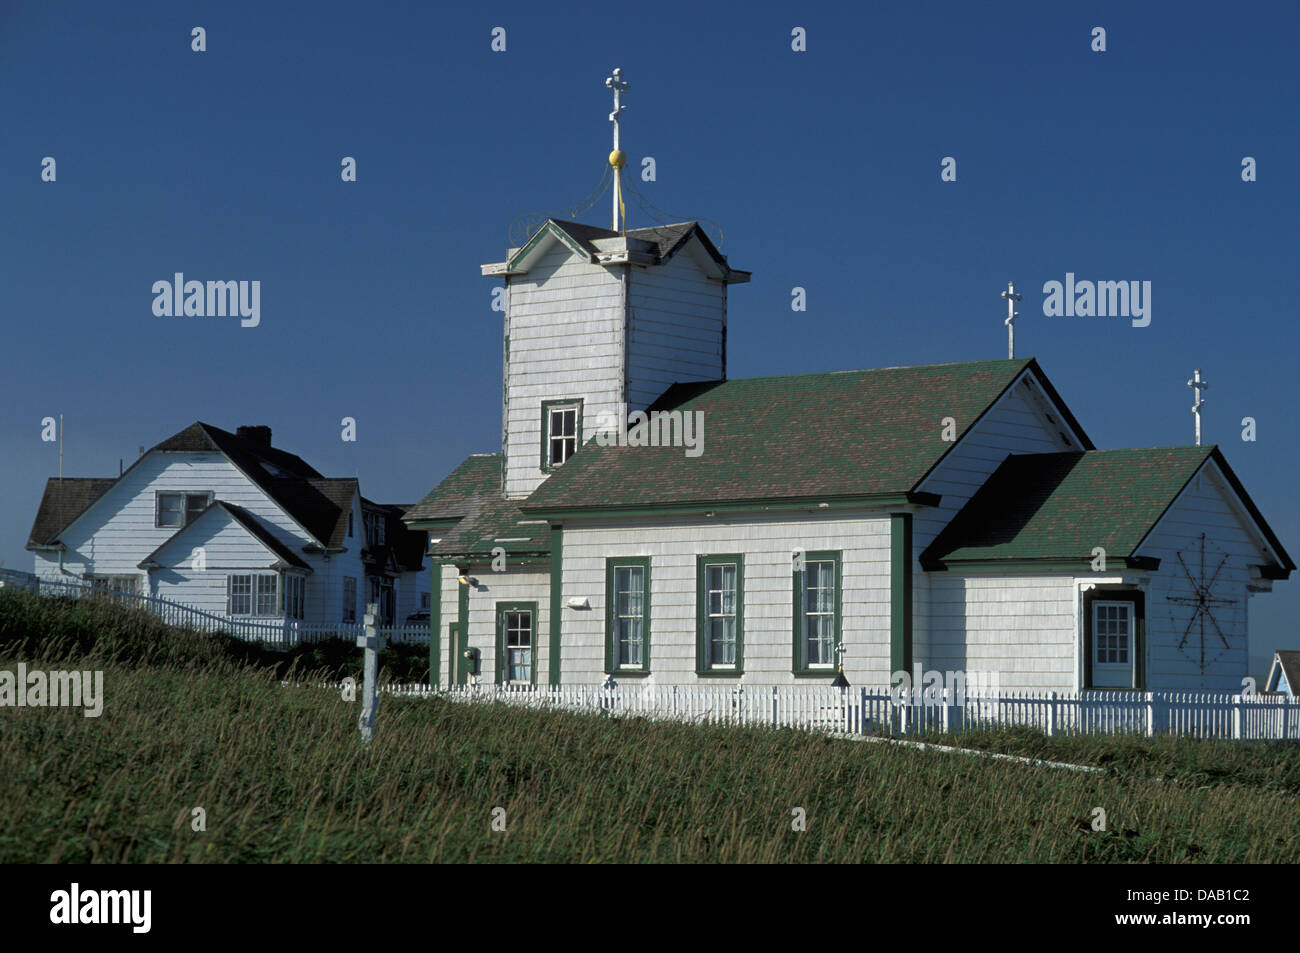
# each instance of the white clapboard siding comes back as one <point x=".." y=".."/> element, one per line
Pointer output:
<point x="766" y="544"/>
<point x="116" y="533"/>
<point x="608" y="335"/>
<point x="675" y="321"/>
<point x="1021" y="627"/>
<point x="1203" y="507"/>
<point x="511" y="586"/>
<point x="565" y="325"/>
<point x="1016" y="424"/>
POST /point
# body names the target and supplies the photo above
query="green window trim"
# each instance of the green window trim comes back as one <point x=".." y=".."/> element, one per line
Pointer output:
<point x="704" y="668"/>
<point x="798" y="665"/>
<point x="1116" y="593"/>
<point x="900" y="592"/>
<point x="613" y="563"/>
<point x="547" y="405"/>
<point x="501" y="609"/>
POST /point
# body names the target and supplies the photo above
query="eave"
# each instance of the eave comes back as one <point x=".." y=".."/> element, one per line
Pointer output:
<point x="771" y="505"/>
<point x="1080" y="565"/>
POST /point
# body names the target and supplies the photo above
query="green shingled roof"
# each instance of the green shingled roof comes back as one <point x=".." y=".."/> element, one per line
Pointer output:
<point x="821" y="437"/>
<point x="1059" y="506"/>
<point x="471" y="496"/>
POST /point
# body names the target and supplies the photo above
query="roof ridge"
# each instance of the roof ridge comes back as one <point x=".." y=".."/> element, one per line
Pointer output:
<point x="864" y="370"/>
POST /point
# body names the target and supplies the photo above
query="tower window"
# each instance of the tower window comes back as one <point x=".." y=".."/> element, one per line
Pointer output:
<point x="561" y="431"/>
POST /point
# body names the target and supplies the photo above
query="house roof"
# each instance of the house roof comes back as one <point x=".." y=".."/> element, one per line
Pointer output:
<point x="847" y="435"/>
<point x="319" y="504"/>
<point x="245" y="519"/>
<point x="201" y="436"/>
<point x="652" y="245"/>
<point x="1059" y="506"/>
<point x="470" y="499"/>
<point x="64" y="500"/>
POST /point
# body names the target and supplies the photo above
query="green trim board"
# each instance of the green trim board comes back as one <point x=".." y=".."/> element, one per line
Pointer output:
<point x="703" y="666"/>
<point x="1116" y="593"/>
<point x="435" y="625"/>
<point x="813" y="504"/>
<point x="459" y="664"/>
<point x="799" y="665"/>
<point x="1077" y="565"/>
<point x="547" y="406"/>
<point x="900" y="592"/>
<point x="613" y="563"/>
<point x="555" y="629"/>
<point x="501" y="609"/>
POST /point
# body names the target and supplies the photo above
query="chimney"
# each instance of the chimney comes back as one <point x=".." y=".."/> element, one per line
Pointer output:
<point x="258" y="435"/>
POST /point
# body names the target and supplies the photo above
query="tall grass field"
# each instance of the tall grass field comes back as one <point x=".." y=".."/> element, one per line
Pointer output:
<point x="280" y="775"/>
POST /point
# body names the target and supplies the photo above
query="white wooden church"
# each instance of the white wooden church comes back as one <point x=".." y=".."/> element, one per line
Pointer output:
<point x="649" y="518"/>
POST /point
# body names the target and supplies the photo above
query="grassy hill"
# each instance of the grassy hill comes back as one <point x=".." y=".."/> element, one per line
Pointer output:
<point x="190" y="721"/>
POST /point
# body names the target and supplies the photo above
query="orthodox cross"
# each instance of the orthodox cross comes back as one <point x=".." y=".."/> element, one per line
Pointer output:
<point x="1012" y="297"/>
<point x="1198" y="385"/>
<point x="1202" y="601"/>
<point x="619" y="87"/>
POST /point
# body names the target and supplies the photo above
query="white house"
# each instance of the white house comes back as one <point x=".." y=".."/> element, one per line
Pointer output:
<point x="228" y="524"/>
<point x="951" y="516"/>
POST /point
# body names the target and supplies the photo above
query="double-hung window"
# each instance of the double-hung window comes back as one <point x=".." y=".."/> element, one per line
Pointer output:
<point x="179" y="509"/>
<point x="561" y="431"/>
<point x="627" y="628"/>
<point x="255" y="594"/>
<point x="516" y="642"/>
<point x="817" y="588"/>
<point x="720" y="629"/>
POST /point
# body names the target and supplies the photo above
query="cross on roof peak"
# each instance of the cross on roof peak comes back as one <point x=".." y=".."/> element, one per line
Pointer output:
<point x="1011" y="296"/>
<point x="1198" y="386"/>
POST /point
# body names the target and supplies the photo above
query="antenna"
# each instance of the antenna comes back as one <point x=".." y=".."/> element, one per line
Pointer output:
<point x="60" y="448"/>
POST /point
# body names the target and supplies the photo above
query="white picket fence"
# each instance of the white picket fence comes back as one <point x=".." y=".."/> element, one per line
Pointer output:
<point x="865" y="711"/>
<point x="275" y="633"/>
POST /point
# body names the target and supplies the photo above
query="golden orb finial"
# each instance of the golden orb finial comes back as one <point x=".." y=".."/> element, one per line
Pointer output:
<point x="617" y="159"/>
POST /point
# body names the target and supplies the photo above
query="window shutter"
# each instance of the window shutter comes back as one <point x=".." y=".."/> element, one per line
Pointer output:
<point x="229" y="597"/>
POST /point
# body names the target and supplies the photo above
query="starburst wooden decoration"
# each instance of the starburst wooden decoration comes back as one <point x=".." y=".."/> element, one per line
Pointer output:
<point x="1203" y="603"/>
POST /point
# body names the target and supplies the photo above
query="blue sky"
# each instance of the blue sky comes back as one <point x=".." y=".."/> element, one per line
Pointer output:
<point x="822" y="167"/>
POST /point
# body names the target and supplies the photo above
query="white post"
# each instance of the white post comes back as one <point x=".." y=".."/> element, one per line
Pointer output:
<point x="1197" y="386"/>
<point x="371" y="642"/>
<point x="1012" y="297"/>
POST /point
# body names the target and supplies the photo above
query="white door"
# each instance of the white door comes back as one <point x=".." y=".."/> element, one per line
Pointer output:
<point x="1113" y="644"/>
